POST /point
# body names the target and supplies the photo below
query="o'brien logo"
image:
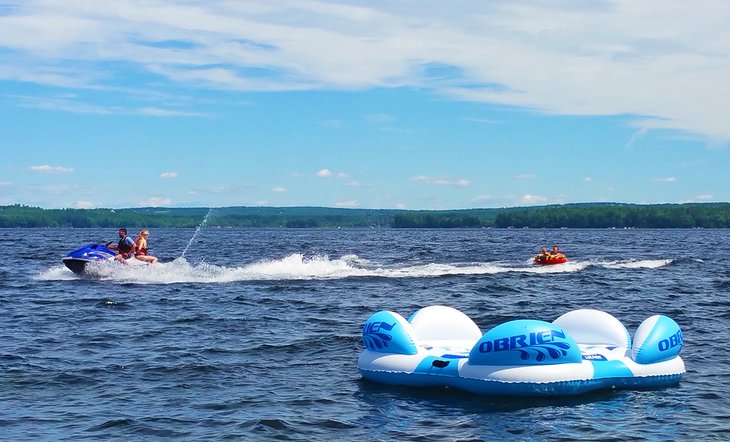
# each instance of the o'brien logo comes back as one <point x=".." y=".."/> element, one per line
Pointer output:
<point x="542" y="343"/>
<point x="374" y="336"/>
<point x="672" y="341"/>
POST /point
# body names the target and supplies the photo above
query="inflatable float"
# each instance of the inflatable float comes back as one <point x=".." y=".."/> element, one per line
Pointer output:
<point x="552" y="258"/>
<point x="581" y="351"/>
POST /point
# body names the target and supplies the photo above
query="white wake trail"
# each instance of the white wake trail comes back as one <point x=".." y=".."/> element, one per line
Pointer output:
<point x="293" y="267"/>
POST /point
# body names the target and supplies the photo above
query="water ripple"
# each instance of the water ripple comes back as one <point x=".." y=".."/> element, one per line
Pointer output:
<point x="256" y="333"/>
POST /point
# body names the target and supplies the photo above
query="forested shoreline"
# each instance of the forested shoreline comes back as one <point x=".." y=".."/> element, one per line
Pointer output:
<point x="588" y="215"/>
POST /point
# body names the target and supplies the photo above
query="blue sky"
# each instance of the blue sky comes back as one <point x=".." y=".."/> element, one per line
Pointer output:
<point x="409" y="104"/>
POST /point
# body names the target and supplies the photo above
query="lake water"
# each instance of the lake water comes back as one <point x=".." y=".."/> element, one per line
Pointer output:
<point x="255" y="334"/>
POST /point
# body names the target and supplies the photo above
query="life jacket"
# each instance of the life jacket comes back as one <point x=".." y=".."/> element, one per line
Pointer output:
<point x="123" y="245"/>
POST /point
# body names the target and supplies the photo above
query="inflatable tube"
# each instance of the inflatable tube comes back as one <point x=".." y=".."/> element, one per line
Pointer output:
<point x="581" y="351"/>
<point x="553" y="258"/>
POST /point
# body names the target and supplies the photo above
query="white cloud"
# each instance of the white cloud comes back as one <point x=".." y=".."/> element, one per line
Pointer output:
<point x="279" y="189"/>
<point x="350" y="203"/>
<point x="484" y="120"/>
<point x="157" y="112"/>
<point x="533" y="199"/>
<point x="355" y="183"/>
<point x="587" y="179"/>
<point x="84" y="204"/>
<point x="155" y="201"/>
<point x="664" y="61"/>
<point x="51" y="169"/>
<point x="168" y="175"/>
<point x="704" y="197"/>
<point x="64" y="104"/>
<point x="670" y="179"/>
<point x="482" y="198"/>
<point x="442" y="181"/>
<point x="327" y="173"/>
<point x="635" y="137"/>
<point x="73" y="104"/>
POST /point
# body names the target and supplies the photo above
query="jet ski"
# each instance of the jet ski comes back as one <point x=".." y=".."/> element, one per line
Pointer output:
<point x="77" y="260"/>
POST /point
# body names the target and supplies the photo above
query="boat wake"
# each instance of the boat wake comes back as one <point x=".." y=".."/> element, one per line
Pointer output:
<point x="300" y="267"/>
<point x="637" y="264"/>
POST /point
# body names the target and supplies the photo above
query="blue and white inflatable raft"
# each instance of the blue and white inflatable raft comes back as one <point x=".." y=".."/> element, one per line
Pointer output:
<point x="581" y="351"/>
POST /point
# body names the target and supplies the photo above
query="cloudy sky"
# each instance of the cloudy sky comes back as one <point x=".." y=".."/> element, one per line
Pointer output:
<point x="380" y="104"/>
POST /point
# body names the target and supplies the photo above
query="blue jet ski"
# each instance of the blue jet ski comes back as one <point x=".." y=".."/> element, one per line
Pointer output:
<point x="76" y="261"/>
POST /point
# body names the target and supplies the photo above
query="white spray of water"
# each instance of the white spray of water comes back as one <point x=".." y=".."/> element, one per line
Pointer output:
<point x="197" y="229"/>
<point x="640" y="264"/>
<point x="300" y="267"/>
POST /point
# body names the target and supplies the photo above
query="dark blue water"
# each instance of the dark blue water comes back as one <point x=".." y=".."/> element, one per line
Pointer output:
<point x="255" y="333"/>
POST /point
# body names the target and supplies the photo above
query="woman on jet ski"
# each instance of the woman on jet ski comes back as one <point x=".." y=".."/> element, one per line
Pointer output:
<point x="141" y="243"/>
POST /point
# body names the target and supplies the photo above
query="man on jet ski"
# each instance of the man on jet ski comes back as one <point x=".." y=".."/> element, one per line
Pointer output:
<point x="125" y="247"/>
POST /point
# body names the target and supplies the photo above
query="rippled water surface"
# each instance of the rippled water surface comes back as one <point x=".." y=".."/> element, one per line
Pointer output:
<point x="255" y="334"/>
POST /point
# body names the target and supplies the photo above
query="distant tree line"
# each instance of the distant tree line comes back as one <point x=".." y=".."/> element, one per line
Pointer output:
<point x="24" y="216"/>
<point x="439" y="221"/>
<point x="596" y="215"/>
<point x="305" y="217"/>
<point x="620" y="215"/>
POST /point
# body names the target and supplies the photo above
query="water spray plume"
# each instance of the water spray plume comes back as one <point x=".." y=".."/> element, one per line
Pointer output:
<point x="197" y="229"/>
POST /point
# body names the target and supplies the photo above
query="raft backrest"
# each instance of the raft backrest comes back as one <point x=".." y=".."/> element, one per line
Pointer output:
<point x="594" y="327"/>
<point x="439" y="322"/>
<point x="657" y="339"/>
<point x="389" y="332"/>
<point x="525" y="342"/>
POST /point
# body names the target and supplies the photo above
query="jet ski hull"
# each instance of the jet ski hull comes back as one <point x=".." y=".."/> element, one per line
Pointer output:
<point x="78" y="260"/>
